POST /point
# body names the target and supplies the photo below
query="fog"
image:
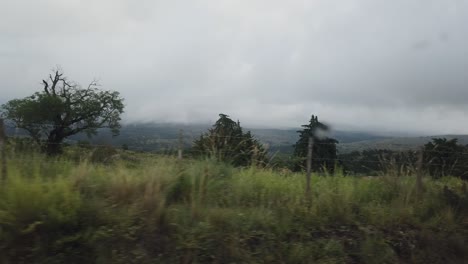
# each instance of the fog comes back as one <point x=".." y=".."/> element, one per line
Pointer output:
<point x="370" y="65"/>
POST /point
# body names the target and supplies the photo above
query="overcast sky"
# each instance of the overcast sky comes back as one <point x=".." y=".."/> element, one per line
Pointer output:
<point x="378" y="65"/>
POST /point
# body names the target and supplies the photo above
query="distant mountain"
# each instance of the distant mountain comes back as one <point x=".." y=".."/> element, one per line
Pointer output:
<point x="153" y="136"/>
<point x="282" y="140"/>
<point x="149" y="137"/>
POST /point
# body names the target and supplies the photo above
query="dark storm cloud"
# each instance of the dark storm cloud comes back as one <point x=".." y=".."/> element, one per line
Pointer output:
<point x="361" y="64"/>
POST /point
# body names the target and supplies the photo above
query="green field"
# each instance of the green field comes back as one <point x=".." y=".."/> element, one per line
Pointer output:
<point x="153" y="209"/>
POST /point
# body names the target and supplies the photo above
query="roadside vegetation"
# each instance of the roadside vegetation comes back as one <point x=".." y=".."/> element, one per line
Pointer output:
<point x="141" y="208"/>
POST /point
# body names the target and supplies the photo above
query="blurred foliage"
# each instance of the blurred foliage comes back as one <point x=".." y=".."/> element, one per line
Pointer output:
<point x="143" y="208"/>
<point x="441" y="157"/>
<point x="446" y="157"/>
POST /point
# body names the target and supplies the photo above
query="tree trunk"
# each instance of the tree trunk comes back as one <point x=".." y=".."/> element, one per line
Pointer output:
<point x="53" y="148"/>
<point x="53" y="145"/>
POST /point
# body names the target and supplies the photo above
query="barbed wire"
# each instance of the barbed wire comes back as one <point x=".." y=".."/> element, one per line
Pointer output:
<point x="148" y="148"/>
<point x="234" y="152"/>
<point x="88" y="161"/>
<point x="383" y="163"/>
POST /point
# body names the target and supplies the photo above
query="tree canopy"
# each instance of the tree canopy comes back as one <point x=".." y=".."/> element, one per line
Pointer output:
<point x="324" y="148"/>
<point x="63" y="109"/>
<point x="226" y="141"/>
<point x="446" y="158"/>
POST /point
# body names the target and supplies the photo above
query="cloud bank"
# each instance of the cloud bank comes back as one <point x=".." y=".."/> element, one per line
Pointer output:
<point x="359" y="64"/>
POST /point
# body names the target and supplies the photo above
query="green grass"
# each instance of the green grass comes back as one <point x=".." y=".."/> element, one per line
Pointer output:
<point x="148" y="209"/>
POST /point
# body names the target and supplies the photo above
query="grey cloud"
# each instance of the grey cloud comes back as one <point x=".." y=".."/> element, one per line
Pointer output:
<point x="361" y="64"/>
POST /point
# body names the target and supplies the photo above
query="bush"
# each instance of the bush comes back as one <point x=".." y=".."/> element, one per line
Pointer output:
<point x="104" y="154"/>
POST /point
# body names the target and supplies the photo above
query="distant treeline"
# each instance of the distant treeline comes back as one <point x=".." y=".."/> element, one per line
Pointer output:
<point x="440" y="157"/>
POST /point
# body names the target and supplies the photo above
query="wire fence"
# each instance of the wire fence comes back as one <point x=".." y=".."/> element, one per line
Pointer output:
<point x="155" y="143"/>
<point x="158" y="140"/>
<point x="337" y="161"/>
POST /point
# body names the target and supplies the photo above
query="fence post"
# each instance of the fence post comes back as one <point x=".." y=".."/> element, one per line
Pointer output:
<point x="181" y="144"/>
<point x="309" y="167"/>
<point x="419" y="173"/>
<point x="3" y="151"/>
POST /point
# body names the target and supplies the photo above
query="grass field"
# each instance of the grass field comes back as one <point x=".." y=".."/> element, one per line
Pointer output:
<point x="149" y="209"/>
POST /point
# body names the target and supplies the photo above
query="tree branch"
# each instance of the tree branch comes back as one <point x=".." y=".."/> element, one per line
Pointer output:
<point x="55" y="80"/>
<point x="46" y="86"/>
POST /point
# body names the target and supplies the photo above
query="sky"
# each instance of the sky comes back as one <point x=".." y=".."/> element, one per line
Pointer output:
<point x="367" y="65"/>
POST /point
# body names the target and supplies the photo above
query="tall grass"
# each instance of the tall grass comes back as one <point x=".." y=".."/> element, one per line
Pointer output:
<point x="161" y="210"/>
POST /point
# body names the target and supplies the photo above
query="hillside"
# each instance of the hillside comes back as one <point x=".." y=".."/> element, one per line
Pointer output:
<point x="150" y="137"/>
<point x="160" y="136"/>
<point x="399" y="143"/>
<point x="164" y="136"/>
<point x="155" y="136"/>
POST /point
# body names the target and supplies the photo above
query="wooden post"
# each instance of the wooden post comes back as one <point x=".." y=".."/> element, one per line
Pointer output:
<point x="181" y="144"/>
<point x="309" y="167"/>
<point x="3" y="151"/>
<point x="419" y="173"/>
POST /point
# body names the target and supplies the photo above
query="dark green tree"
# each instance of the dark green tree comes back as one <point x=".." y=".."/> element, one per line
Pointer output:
<point x="373" y="162"/>
<point x="63" y="109"/>
<point x="444" y="157"/>
<point x="227" y="142"/>
<point x="324" y="148"/>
